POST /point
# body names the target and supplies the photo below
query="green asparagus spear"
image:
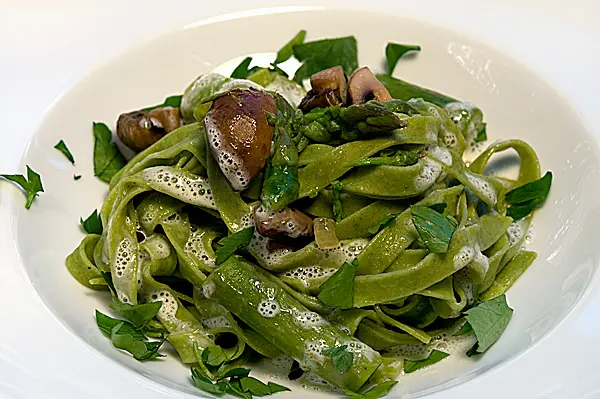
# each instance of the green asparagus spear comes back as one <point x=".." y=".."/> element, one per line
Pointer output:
<point x="287" y="324"/>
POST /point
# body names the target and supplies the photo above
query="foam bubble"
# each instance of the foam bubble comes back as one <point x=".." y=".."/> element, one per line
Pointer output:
<point x="306" y="274"/>
<point x="196" y="247"/>
<point x="441" y="154"/>
<point x="230" y="164"/>
<point x="124" y="261"/>
<point x="483" y="188"/>
<point x="269" y="308"/>
<point x="313" y="353"/>
<point x="516" y="232"/>
<point x="208" y="289"/>
<point x="278" y="367"/>
<point x="160" y="248"/>
<point x="309" y="320"/>
<point x="463" y="257"/>
<point x="429" y="173"/>
<point x="445" y="342"/>
<point x="216" y="322"/>
<point x="169" y="305"/>
<point x="315" y="382"/>
<point x="178" y="184"/>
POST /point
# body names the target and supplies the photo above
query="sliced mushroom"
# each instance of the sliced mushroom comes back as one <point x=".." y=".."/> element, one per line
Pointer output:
<point x="364" y="86"/>
<point x="138" y="130"/>
<point x="290" y="222"/>
<point x="329" y="87"/>
<point x="239" y="135"/>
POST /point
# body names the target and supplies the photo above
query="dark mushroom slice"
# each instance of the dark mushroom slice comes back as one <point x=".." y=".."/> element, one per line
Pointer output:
<point x="138" y="130"/>
<point x="328" y="87"/>
<point x="290" y="222"/>
<point x="363" y="86"/>
<point x="239" y="135"/>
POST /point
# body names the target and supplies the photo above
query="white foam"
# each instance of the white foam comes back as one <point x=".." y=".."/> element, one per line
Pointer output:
<point x="445" y="342"/>
<point x="516" y="232"/>
<point x="463" y="257"/>
<point x="430" y="171"/>
<point x="195" y="191"/>
<point x="230" y="164"/>
<point x="169" y="305"/>
<point x="216" y="322"/>
<point x="483" y="188"/>
<point x="208" y="289"/>
<point x="308" y="274"/>
<point x="195" y="246"/>
<point x="440" y="153"/>
<point x="313" y="354"/>
<point x="315" y="382"/>
<point x="125" y="259"/>
<point x="278" y="367"/>
<point x="361" y="349"/>
<point x="160" y="248"/>
<point x="269" y="308"/>
<point x="309" y="320"/>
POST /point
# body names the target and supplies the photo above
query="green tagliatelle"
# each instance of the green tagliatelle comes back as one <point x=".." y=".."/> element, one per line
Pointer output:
<point x="380" y="170"/>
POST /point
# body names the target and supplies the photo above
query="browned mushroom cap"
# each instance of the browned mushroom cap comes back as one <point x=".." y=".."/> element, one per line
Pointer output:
<point x="290" y="222"/>
<point x="328" y="88"/>
<point x="138" y="130"/>
<point x="364" y="86"/>
<point x="239" y="135"/>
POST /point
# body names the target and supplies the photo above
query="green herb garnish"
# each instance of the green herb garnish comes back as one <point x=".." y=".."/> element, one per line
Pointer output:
<point x="171" y="101"/>
<point x="76" y="177"/>
<point x="526" y="198"/>
<point x="341" y="357"/>
<point x="434" y="228"/>
<point x="141" y="350"/>
<point x="378" y="391"/>
<point x="108" y="160"/>
<point x="62" y="147"/>
<point x="440" y="207"/>
<point x="481" y="133"/>
<point x="489" y="320"/>
<point x="125" y="336"/>
<point x="288" y="49"/>
<point x="464" y="330"/>
<point x="338" y="290"/>
<point x="386" y="221"/>
<point x="322" y="54"/>
<point x="139" y="315"/>
<point x="241" y="71"/>
<point x="395" y="51"/>
<point x="336" y="191"/>
<point x="107" y="323"/>
<point x="233" y="242"/>
<point x="32" y="185"/>
<point x="214" y="356"/>
<point x="434" y="357"/>
<point x="93" y="223"/>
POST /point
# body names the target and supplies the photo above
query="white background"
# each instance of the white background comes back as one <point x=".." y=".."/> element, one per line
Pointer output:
<point x="48" y="45"/>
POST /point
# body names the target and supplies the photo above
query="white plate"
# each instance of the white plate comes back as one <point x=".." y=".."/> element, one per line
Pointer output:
<point x="516" y="103"/>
